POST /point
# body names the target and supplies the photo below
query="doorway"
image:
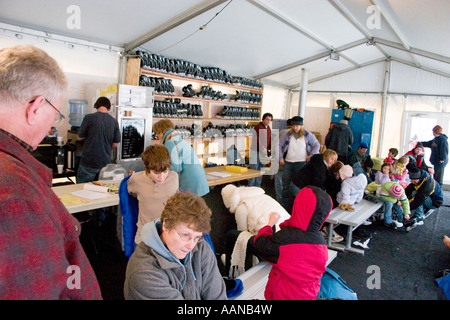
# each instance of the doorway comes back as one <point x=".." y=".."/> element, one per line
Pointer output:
<point x="418" y="126"/>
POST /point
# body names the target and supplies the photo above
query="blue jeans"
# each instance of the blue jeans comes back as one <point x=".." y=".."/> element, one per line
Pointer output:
<point x="419" y="211"/>
<point x="256" y="182"/>
<point x="279" y="183"/>
<point x="290" y="169"/>
<point x="86" y="174"/>
<point x="388" y="211"/>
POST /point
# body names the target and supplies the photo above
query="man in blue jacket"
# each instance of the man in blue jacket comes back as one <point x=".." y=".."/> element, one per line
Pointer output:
<point x="439" y="153"/>
<point x="424" y="193"/>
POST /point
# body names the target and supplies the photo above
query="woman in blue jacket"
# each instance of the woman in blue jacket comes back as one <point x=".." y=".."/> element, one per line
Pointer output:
<point x="439" y="153"/>
<point x="184" y="160"/>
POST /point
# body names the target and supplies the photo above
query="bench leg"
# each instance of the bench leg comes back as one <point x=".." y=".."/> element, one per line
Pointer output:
<point x="349" y="242"/>
<point x="330" y="239"/>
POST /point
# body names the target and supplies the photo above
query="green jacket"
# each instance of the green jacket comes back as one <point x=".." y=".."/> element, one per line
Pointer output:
<point x="386" y="195"/>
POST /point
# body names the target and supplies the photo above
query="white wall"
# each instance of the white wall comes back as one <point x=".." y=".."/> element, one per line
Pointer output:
<point x="410" y="89"/>
<point x="83" y="67"/>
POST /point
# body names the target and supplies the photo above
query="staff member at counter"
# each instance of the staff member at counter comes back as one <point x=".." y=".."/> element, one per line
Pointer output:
<point x="40" y="252"/>
<point x="101" y="134"/>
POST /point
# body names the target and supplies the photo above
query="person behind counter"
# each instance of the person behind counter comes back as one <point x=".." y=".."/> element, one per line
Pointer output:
<point x="40" y="248"/>
<point x="191" y="174"/>
<point x="173" y="261"/>
<point x="100" y="133"/>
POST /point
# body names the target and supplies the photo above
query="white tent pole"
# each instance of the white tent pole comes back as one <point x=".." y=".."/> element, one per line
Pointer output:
<point x="303" y="92"/>
<point x="387" y="76"/>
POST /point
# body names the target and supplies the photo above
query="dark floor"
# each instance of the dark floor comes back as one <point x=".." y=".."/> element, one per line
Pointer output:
<point x="407" y="263"/>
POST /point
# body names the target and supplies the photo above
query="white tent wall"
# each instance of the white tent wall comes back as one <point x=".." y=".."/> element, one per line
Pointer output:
<point x="275" y="101"/>
<point x="319" y="108"/>
<point x="409" y="89"/>
<point x="407" y="79"/>
<point x="83" y="68"/>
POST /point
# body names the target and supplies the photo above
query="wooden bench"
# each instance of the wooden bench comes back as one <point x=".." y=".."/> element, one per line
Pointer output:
<point x="353" y="219"/>
<point x="255" y="279"/>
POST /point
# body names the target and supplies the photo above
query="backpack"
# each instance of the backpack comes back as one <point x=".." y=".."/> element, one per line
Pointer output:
<point x="332" y="286"/>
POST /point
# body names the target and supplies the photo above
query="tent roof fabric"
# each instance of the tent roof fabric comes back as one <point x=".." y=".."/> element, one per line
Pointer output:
<point x="270" y="40"/>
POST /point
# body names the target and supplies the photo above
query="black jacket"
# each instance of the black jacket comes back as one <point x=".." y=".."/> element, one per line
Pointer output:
<point x="427" y="187"/>
<point x="313" y="173"/>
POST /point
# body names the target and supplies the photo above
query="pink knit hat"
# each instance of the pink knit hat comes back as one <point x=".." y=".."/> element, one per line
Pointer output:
<point x="396" y="191"/>
<point x="346" y="171"/>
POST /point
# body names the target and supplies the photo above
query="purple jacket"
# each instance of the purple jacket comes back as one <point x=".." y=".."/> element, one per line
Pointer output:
<point x="312" y="144"/>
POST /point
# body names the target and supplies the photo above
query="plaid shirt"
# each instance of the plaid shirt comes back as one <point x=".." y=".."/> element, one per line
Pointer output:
<point x="39" y="239"/>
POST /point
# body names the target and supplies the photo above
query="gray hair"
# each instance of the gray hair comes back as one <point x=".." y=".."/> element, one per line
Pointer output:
<point x="27" y="72"/>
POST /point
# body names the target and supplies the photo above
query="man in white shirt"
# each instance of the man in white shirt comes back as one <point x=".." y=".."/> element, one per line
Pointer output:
<point x="297" y="146"/>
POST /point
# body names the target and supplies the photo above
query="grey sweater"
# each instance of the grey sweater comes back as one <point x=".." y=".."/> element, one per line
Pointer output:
<point x="153" y="272"/>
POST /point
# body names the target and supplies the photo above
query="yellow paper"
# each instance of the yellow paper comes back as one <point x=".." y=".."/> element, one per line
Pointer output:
<point x="71" y="200"/>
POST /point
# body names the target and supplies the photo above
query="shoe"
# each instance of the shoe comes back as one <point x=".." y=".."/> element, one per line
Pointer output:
<point x="367" y="223"/>
<point x="337" y="237"/>
<point x="391" y="226"/>
<point x="398" y="224"/>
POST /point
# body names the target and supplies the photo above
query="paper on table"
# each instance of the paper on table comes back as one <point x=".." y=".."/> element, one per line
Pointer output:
<point x="210" y="177"/>
<point x="220" y="174"/>
<point x="93" y="187"/>
<point x="91" y="195"/>
<point x="92" y="192"/>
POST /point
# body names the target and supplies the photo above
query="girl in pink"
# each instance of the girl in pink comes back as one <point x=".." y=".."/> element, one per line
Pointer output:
<point x="400" y="173"/>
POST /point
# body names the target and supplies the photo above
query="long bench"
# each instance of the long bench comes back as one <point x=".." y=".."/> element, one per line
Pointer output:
<point x="255" y="279"/>
<point x="353" y="219"/>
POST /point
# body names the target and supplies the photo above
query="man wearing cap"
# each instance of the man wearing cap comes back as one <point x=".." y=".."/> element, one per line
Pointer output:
<point x="423" y="193"/>
<point x="296" y="148"/>
<point x="339" y="138"/>
<point x="359" y="155"/>
<point x="439" y="153"/>
<point x="393" y="195"/>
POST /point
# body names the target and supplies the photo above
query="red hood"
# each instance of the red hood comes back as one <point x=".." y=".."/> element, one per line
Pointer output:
<point x="311" y="208"/>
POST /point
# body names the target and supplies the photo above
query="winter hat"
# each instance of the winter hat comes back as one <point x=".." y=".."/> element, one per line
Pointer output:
<point x="227" y="193"/>
<point x="415" y="173"/>
<point x="297" y="121"/>
<point x="363" y="145"/>
<point x="346" y="171"/>
<point x="396" y="191"/>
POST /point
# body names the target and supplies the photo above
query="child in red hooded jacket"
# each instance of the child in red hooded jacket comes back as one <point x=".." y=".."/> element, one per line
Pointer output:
<point x="297" y="252"/>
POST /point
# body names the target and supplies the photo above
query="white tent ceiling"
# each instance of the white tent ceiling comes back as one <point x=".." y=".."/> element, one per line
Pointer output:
<point x="267" y="39"/>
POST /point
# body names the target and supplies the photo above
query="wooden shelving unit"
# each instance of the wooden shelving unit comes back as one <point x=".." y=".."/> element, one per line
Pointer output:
<point x="210" y="149"/>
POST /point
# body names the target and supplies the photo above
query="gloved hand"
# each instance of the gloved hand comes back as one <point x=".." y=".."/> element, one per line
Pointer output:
<point x="346" y="206"/>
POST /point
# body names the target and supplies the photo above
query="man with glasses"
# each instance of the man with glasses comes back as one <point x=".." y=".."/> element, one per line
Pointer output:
<point x="173" y="261"/>
<point x="40" y="253"/>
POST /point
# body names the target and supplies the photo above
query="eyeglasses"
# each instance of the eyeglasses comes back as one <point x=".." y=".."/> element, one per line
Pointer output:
<point x="59" y="116"/>
<point x="187" y="237"/>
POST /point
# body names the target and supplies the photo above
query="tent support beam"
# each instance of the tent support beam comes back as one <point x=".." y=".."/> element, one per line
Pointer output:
<point x="386" y="12"/>
<point x="303" y="93"/>
<point x="387" y="77"/>
<point x="341" y="72"/>
<point x="419" y="52"/>
<point x="173" y="23"/>
<point x="315" y="57"/>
